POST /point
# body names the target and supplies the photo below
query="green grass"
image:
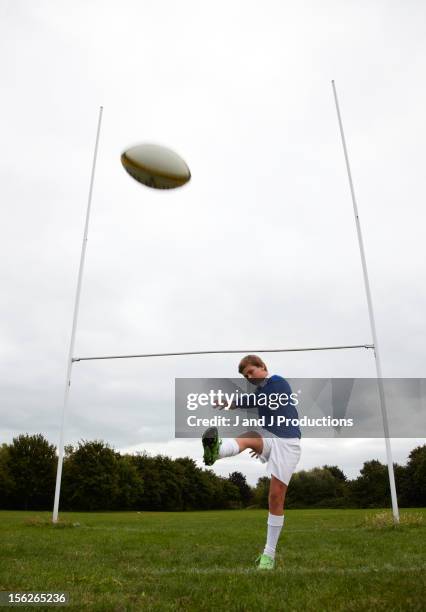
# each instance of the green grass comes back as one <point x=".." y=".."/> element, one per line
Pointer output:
<point x="327" y="560"/>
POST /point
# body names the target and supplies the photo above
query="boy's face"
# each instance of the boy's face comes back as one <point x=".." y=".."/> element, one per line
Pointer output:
<point x="255" y="374"/>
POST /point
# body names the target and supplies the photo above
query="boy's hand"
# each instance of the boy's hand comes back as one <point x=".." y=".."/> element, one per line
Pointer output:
<point x="221" y="406"/>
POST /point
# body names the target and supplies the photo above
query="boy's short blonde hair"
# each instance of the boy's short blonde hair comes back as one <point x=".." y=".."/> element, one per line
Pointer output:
<point x="253" y="360"/>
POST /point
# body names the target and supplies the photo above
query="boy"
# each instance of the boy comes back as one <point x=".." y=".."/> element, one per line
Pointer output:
<point x="279" y="447"/>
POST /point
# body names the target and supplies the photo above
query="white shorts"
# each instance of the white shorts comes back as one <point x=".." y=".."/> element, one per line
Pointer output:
<point x="281" y="455"/>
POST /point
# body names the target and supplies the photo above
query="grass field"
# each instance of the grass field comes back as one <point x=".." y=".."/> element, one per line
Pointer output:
<point x="327" y="560"/>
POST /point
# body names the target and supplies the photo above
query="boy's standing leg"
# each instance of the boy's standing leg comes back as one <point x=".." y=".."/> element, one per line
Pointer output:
<point x="277" y="492"/>
<point x="214" y="449"/>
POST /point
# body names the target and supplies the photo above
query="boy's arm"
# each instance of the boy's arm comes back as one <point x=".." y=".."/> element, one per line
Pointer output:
<point x="233" y="406"/>
<point x="243" y="402"/>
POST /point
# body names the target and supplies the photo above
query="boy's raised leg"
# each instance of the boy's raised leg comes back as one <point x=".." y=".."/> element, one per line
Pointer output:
<point x="215" y="448"/>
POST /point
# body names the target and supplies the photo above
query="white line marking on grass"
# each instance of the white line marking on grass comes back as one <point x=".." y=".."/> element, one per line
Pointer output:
<point x="299" y="570"/>
<point x="154" y="530"/>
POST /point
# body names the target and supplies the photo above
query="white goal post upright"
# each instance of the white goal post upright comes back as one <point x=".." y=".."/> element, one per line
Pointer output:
<point x="395" y="510"/>
<point x="74" y="327"/>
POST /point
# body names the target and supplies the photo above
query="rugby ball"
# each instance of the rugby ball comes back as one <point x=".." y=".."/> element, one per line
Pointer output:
<point x="155" y="166"/>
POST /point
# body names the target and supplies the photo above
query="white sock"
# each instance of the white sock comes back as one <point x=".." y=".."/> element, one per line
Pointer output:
<point x="228" y="448"/>
<point x="275" y="524"/>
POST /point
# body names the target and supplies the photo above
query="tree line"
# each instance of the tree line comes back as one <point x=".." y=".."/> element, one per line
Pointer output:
<point x="96" y="477"/>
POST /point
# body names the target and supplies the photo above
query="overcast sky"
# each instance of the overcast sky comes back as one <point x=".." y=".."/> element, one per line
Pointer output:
<point x="258" y="250"/>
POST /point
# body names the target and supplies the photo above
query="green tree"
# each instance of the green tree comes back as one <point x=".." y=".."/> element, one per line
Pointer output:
<point x="336" y="472"/>
<point x="261" y="492"/>
<point x="239" y="480"/>
<point x="371" y="488"/>
<point x="130" y="485"/>
<point x="317" y="487"/>
<point x="161" y="490"/>
<point x="32" y="465"/>
<point x="226" y="494"/>
<point x="180" y="485"/>
<point x="7" y="484"/>
<point x="170" y="483"/>
<point x="91" y="477"/>
<point x="403" y="486"/>
<point x="198" y="487"/>
<point x="416" y="477"/>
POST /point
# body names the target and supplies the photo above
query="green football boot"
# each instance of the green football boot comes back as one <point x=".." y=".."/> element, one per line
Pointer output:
<point x="265" y="562"/>
<point x="211" y="445"/>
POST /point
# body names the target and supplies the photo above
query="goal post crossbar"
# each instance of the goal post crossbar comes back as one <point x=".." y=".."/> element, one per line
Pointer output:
<point x="224" y="352"/>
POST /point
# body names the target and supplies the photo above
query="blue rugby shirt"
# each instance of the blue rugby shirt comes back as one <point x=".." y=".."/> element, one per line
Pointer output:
<point x="276" y="384"/>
